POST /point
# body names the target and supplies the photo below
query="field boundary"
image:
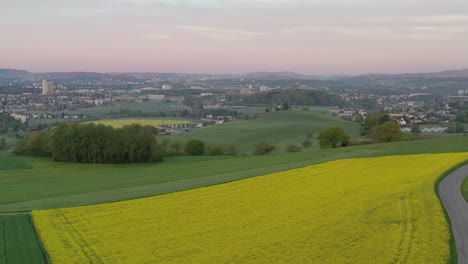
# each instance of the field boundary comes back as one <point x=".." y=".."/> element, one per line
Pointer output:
<point x="45" y="254"/>
<point x="5" y="247"/>
<point x="453" y="247"/>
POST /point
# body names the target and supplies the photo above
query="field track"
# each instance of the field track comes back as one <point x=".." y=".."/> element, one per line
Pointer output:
<point x="457" y="209"/>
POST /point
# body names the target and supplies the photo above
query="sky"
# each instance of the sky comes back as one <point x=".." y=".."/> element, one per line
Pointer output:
<point x="320" y="37"/>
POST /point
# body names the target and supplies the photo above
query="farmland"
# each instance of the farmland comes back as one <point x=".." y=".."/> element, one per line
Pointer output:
<point x="38" y="183"/>
<point x="118" y="123"/>
<point x="281" y="128"/>
<point x="18" y="242"/>
<point x="340" y="211"/>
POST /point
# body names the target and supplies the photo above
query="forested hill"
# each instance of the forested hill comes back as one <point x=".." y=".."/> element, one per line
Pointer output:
<point x="294" y="97"/>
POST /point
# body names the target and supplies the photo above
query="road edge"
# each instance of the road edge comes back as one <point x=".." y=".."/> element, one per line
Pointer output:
<point x="453" y="258"/>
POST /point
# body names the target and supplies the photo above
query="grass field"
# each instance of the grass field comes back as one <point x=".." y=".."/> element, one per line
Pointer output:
<point x="35" y="183"/>
<point x="465" y="189"/>
<point x="117" y="123"/>
<point x="9" y="162"/>
<point x="18" y="241"/>
<point x="281" y="128"/>
<point x="374" y="210"/>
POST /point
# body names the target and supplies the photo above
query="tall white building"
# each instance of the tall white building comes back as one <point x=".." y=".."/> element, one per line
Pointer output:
<point x="47" y="88"/>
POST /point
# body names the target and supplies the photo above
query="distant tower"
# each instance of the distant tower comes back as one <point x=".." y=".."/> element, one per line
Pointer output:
<point x="47" y="88"/>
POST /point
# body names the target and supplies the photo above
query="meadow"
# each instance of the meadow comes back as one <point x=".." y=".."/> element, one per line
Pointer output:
<point x="29" y="183"/>
<point x="38" y="183"/>
<point x="280" y="128"/>
<point x="368" y="210"/>
<point x="159" y="123"/>
<point x="18" y="241"/>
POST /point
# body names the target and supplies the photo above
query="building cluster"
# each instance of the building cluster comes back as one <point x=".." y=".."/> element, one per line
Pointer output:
<point x="407" y="109"/>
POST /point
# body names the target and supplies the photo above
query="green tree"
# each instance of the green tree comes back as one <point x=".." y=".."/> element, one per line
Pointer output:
<point x="216" y="151"/>
<point x="459" y="127"/>
<point x="460" y="117"/>
<point x="176" y="146"/>
<point x="293" y="148"/>
<point x="333" y="137"/>
<point x="307" y="143"/>
<point x="456" y="127"/>
<point x="416" y="130"/>
<point x="373" y="121"/>
<point x="194" y="147"/>
<point x="264" y="148"/>
<point x="388" y="132"/>
<point x="3" y="144"/>
<point x="164" y="143"/>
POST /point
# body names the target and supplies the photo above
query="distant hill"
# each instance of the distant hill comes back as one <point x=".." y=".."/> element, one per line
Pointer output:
<point x="86" y="76"/>
<point x="272" y="76"/>
<point x="12" y="72"/>
<point x="23" y="75"/>
<point x="449" y="74"/>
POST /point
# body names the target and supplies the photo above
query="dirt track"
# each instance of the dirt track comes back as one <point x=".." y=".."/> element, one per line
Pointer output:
<point x="457" y="209"/>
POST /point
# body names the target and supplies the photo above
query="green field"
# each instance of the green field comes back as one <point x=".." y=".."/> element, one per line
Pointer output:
<point x="9" y="162"/>
<point x="280" y="128"/>
<point x="18" y="241"/>
<point x="465" y="189"/>
<point x="38" y="183"/>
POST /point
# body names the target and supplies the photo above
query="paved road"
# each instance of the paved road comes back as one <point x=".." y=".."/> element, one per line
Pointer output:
<point x="457" y="209"/>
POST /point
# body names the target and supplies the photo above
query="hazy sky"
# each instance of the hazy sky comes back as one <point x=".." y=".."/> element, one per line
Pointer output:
<point x="234" y="36"/>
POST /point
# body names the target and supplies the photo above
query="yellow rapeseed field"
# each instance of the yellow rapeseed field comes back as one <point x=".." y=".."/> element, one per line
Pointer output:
<point x="370" y="210"/>
<point x="117" y="123"/>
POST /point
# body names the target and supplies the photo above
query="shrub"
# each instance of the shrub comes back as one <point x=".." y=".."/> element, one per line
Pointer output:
<point x="333" y="137"/>
<point x="293" y="148"/>
<point x="388" y="132"/>
<point x="217" y="151"/>
<point x="264" y="149"/>
<point x="194" y="147"/>
<point x="230" y="150"/>
<point x="307" y="143"/>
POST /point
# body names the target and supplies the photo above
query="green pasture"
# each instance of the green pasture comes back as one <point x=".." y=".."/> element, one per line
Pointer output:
<point x="18" y="241"/>
<point x="280" y="128"/>
<point x="37" y="183"/>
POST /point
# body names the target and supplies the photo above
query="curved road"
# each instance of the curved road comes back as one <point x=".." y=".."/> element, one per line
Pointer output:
<point x="457" y="209"/>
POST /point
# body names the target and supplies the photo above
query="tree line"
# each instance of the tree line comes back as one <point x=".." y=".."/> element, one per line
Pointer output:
<point x="90" y="143"/>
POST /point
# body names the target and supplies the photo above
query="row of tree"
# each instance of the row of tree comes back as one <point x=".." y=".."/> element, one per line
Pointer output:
<point x="333" y="137"/>
<point x="90" y="143"/>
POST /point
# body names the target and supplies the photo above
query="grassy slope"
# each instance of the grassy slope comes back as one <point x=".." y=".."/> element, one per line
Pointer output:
<point x="18" y="241"/>
<point x="465" y="189"/>
<point x="280" y="128"/>
<point x="50" y="184"/>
